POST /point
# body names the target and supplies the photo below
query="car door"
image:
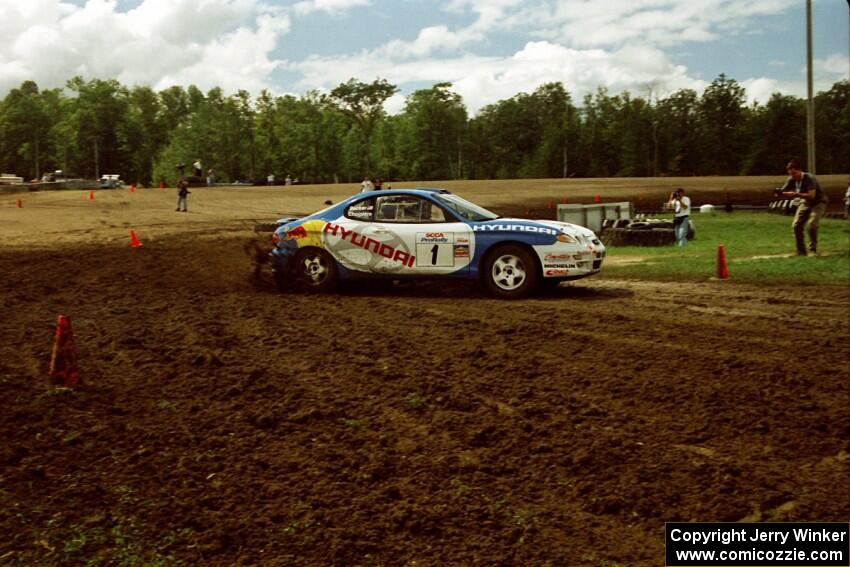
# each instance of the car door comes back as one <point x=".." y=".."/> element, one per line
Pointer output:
<point x="438" y="242"/>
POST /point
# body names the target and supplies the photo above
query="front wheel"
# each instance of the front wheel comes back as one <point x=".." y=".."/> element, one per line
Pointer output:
<point x="315" y="271"/>
<point x="510" y="272"/>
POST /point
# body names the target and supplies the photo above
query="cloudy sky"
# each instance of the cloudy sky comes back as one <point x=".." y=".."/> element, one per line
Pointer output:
<point x="489" y="49"/>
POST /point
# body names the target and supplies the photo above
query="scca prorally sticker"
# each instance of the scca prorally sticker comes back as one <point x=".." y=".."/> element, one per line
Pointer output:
<point x="514" y="228"/>
<point x="434" y="237"/>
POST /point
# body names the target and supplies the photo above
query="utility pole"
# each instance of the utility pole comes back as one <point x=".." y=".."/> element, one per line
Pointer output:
<point x="810" y="114"/>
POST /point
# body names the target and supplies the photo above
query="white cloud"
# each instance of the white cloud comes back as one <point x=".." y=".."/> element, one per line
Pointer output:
<point x="760" y="89"/>
<point x="485" y="80"/>
<point x="330" y="6"/>
<point x="591" y="23"/>
<point x="226" y="43"/>
<point x="234" y="44"/>
<point x="836" y="64"/>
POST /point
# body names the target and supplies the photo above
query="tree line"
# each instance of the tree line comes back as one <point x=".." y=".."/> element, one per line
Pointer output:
<point x="101" y="126"/>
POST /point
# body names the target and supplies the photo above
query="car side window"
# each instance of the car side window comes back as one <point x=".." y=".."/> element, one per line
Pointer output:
<point x="361" y="210"/>
<point x="407" y="209"/>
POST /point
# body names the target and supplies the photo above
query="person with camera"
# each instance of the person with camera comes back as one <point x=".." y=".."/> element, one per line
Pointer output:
<point x="805" y="189"/>
<point x="681" y="205"/>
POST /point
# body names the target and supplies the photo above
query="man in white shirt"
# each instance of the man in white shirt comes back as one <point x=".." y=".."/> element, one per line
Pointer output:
<point x="367" y="185"/>
<point x="681" y="206"/>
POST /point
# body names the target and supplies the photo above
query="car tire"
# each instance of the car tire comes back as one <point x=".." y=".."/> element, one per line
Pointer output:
<point x="510" y="272"/>
<point x="315" y="271"/>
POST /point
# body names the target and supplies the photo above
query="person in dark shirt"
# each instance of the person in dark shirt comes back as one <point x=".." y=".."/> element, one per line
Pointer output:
<point x="182" y="196"/>
<point x="811" y="205"/>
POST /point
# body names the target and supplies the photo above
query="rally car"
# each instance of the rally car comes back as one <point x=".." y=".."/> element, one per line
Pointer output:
<point x="428" y="233"/>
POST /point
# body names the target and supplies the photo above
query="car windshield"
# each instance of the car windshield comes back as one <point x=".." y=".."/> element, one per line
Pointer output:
<point x="464" y="208"/>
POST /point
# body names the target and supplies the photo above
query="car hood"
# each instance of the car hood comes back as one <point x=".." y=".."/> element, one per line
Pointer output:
<point x="566" y="227"/>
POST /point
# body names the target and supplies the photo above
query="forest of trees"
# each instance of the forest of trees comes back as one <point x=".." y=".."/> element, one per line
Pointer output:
<point x="101" y="126"/>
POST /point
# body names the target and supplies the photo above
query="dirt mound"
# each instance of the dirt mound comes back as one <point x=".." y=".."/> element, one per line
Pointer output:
<point x="221" y="423"/>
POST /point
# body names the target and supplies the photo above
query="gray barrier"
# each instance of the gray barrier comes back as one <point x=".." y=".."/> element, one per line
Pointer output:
<point x="592" y="216"/>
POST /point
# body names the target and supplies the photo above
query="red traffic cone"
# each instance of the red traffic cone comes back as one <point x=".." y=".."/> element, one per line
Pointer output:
<point x="63" y="359"/>
<point x="162" y="184"/>
<point x="134" y="241"/>
<point x="722" y="270"/>
<point x="20" y="203"/>
<point x="597" y="199"/>
<point x="91" y="195"/>
<point x="132" y="187"/>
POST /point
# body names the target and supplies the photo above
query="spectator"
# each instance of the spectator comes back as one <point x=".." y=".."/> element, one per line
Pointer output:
<point x="199" y="171"/>
<point x="811" y="205"/>
<point x="379" y="184"/>
<point x="681" y="206"/>
<point x="366" y="185"/>
<point x="847" y="201"/>
<point x="180" y="168"/>
<point x="270" y="179"/>
<point x="210" y="177"/>
<point x="288" y="180"/>
<point x="182" y="196"/>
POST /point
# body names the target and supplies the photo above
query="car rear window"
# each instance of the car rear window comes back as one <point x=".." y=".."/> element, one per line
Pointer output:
<point x="361" y="210"/>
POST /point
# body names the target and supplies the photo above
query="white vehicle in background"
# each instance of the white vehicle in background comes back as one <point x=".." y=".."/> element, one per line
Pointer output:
<point x="110" y="181"/>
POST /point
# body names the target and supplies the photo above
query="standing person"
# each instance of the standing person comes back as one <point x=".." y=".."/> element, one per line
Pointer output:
<point x="210" y="177"/>
<point x="379" y="184"/>
<point x="811" y="205"/>
<point x="182" y="196"/>
<point x="270" y="179"/>
<point x="180" y="167"/>
<point x="847" y="201"/>
<point x="681" y="205"/>
<point x="366" y="185"/>
<point x="199" y="171"/>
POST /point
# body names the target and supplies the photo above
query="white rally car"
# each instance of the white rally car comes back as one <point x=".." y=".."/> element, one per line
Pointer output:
<point x="426" y="233"/>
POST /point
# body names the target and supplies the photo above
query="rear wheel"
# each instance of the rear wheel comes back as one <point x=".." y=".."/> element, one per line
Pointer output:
<point x="315" y="271"/>
<point x="510" y="272"/>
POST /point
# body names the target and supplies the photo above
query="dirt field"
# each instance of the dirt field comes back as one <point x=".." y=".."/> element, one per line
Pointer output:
<point x="222" y="423"/>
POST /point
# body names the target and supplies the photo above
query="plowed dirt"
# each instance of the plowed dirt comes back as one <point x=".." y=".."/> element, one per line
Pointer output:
<point x="222" y="423"/>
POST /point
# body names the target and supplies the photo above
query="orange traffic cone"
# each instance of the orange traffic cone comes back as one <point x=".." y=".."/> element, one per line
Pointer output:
<point x="20" y="203"/>
<point x="598" y="199"/>
<point x="162" y="184"/>
<point x="63" y="360"/>
<point x="134" y="241"/>
<point x="91" y="195"/>
<point x="722" y="270"/>
<point x="132" y="187"/>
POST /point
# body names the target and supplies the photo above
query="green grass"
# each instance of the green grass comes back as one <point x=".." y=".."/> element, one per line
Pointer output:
<point x="759" y="249"/>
